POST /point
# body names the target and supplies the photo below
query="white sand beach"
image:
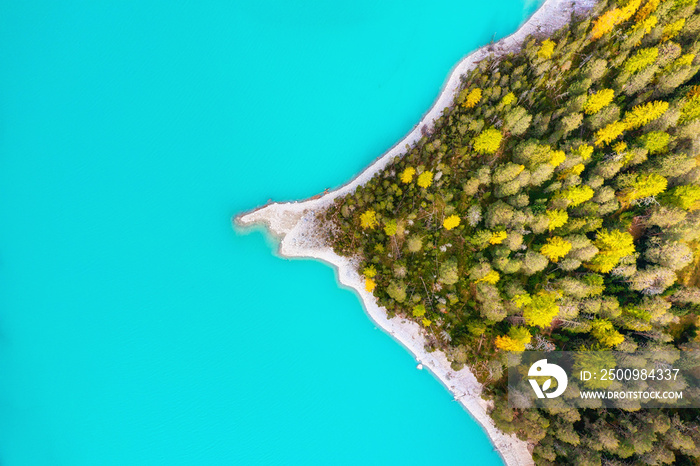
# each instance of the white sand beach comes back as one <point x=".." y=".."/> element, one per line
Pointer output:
<point x="295" y="224"/>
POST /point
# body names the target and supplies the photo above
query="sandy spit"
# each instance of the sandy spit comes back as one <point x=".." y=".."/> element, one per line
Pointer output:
<point x="294" y="223"/>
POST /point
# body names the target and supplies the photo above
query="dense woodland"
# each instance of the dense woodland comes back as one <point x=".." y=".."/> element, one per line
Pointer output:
<point x="555" y="205"/>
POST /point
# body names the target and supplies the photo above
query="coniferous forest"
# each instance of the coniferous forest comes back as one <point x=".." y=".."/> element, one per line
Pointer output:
<point x="555" y="205"/>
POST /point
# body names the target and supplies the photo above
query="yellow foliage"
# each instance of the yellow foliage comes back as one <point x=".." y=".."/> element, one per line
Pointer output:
<point x="368" y="219"/>
<point x="672" y="30"/>
<point x="390" y="227"/>
<point x="643" y="114"/>
<point x="584" y="151"/>
<point x="577" y="195"/>
<point x="538" y="310"/>
<point x="425" y="179"/>
<point x="612" y="246"/>
<point x="606" y="334"/>
<point x="506" y="343"/>
<point x="419" y="310"/>
<point x="498" y="237"/>
<point x="575" y="170"/>
<point x="556" y="248"/>
<point x="644" y="186"/>
<point x="370" y="284"/>
<point x="685" y="60"/>
<point x="546" y="49"/>
<point x="407" y="175"/>
<point x="641" y="59"/>
<point x="370" y="272"/>
<point x="492" y="277"/>
<point x="649" y="24"/>
<point x="557" y="158"/>
<point x="629" y="9"/>
<point x="557" y="218"/>
<point x="472" y="98"/>
<point x="605" y="23"/>
<point x="620" y="147"/>
<point x="451" y="222"/>
<point x="488" y="141"/>
<point x="648" y="8"/>
<point x="508" y="99"/>
<point x="598" y="101"/>
<point x="609" y="133"/>
<point x="686" y="196"/>
<point x="426" y="322"/>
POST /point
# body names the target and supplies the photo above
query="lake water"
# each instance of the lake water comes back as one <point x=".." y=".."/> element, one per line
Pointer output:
<point x="136" y="326"/>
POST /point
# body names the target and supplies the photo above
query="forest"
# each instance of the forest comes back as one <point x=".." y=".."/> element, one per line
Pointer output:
<point x="554" y="206"/>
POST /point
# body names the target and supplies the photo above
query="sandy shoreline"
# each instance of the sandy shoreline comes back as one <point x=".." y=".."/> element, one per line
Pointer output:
<point x="294" y="223"/>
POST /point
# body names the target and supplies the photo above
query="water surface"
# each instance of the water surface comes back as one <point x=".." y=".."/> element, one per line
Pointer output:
<point x="136" y="327"/>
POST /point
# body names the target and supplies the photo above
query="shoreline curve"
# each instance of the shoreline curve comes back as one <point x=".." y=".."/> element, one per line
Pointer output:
<point x="294" y="224"/>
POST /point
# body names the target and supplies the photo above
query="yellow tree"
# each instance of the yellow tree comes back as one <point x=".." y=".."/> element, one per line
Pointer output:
<point x="609" y="133"/>
<point x="370" y="284"/>
<point x="641" y="59"/>
<point x="556" y="158"/>
<point x="472" y="98"/>
<point x="648" y="8"/>
<point x="508" y="99"/>
<point x="605" y="333"/>
<point x="598" y="100"/>
<point x="644" y="186"/>
<point x="538" y="310"/>
<point x="686" y="196"/>
<point x="577" y="195"/>
<point x="368" y="219"/>
<point x="612" y="246"/>
<point x="425" y="179"/>
<point x="407" y="175"/>
<point x="516" y="339"/>
<point x="488" y="141"/>
<point x="492" y="277"/>
<point x="643" y="114"/>
<point x="555" y="248"/>
<point x="605" y="23"/>
<point x="498" y="237"/>
<point x="557" y="218"/>
<point x="546" y="49"/>
<point x="451" y="222"/>
<point x="390" y="227"/>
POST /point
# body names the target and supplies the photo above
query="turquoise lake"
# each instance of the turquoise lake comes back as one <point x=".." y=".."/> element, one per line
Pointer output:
<point x="136" y="326"/>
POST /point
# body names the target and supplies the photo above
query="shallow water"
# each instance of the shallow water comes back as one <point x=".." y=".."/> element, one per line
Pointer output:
<point x="136" y="327"/>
